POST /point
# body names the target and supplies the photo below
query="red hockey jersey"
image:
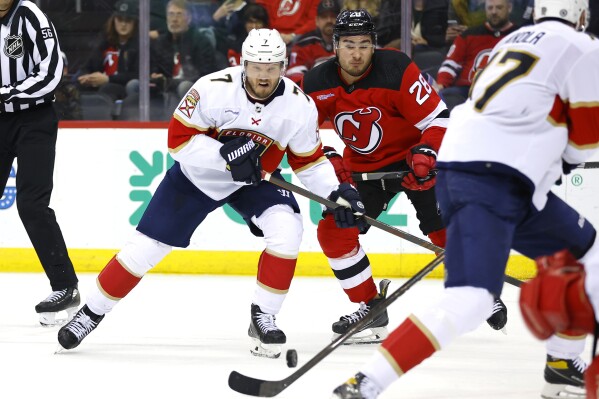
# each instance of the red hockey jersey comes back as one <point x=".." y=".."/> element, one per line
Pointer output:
<point x="468" y="53"/>
<point x="379" y="117"/>
<point x="291" y="16"/>
<point x="307" y="52"/>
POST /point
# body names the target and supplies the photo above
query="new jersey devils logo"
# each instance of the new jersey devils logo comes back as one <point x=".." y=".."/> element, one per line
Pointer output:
<point x="288" y="7"/>
<point x="360" y="129"/>
<point x="480" y="61"/>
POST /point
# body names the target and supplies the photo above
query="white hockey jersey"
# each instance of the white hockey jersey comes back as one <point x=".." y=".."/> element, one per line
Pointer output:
<point x="217" y="109"/>
<point x="536" y="102"/>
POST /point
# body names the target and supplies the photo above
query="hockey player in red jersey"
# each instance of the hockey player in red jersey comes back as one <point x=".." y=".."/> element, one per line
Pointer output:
<point x="230" y="126"/>
<point x="497" y="163"/>
<point x="390" y="119"/>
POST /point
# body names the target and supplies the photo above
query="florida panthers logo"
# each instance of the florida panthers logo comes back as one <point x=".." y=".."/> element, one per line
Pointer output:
<point x="288" y="7"/>
<point x="360" y="129"/>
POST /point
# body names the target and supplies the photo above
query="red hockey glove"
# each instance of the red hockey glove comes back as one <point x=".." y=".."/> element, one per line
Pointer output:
<point x="421" y="160"/>
<point x="343" y="175"/>
<point x="555" y="300"/>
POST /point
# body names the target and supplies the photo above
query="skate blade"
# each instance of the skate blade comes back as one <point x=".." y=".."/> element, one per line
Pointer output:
<point x="366" y="337"/>
<point x="271" y="351"/>
<point x="59" y="349"/>
<point x="562" y="391"/>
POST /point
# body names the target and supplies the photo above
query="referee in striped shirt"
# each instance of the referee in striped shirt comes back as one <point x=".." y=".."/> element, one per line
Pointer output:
<point x="30" y="69"/>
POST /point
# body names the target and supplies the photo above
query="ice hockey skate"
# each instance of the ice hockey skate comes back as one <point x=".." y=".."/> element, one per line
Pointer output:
<point x="375" y="331"/>
<point x="67" y="300"/>
<point x="267" y="338"/>
<point x="357" y="387"/>
<point x="564" y="378"/>
<point x="72" y="333"/>
<point x="498" y="318"/>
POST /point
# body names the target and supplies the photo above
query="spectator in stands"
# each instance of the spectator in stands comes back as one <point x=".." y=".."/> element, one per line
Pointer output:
<point x="470" y="51"/>
<point x="429" y="28"/>
<point x="454" y="29"/>
<point x="157" y="18"/>
<point x="67" y="103"/>
<point x="115" y="60"/>
<point x="472" y="13"/>
<point x="182" y="55"/>
<point x="226" y="10"/>
<point x="316" y="46"/>
<point x="253" y="16"/>
<point x="213" y="13"/>
<point x="291" y="17"/>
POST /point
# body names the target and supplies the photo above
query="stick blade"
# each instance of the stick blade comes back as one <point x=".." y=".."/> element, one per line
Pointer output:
<point x="253" y="386"/>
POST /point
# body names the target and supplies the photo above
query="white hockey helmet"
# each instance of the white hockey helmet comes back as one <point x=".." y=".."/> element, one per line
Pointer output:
<point x="264" y="46"/>
<point x="567" y="10"/>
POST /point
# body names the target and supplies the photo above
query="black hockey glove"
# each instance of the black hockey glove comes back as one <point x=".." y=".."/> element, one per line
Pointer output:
<point x="348" y="214"/>
<point x="567" y="168"/>
<point x="243" y="160"/>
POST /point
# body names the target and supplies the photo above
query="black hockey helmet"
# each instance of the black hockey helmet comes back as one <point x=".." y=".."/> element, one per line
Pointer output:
<point x="354" y="23"/>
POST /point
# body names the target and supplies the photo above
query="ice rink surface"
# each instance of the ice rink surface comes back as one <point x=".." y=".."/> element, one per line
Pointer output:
<point x="179" y="336"/>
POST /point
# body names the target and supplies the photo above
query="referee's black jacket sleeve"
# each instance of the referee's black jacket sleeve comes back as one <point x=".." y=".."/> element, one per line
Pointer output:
<point x="31" y="64"/>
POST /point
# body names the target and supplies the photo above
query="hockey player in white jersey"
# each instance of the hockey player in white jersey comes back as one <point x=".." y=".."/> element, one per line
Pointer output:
<point x="532" y="114"/>
<point x="230" y="126"/>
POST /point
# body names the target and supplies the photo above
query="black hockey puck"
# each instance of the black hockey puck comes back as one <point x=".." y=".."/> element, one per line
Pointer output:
<point x="291" y="358"/>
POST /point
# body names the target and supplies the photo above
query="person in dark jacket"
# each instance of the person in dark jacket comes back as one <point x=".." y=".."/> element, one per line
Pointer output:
<point x="183" y="54"/>
<point x="115" y="60"/>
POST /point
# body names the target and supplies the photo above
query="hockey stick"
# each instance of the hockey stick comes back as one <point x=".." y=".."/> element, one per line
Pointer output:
<point x="401" y="174"/>
<point x="588" y="165"/>
<point x="378" y="175"/>
<point x="332" y="204"/>
<point x="263" y="388"/>
<point x="371" y="221"/>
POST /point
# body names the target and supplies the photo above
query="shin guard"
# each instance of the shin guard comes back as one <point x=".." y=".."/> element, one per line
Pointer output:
<point x="116" y="281"/>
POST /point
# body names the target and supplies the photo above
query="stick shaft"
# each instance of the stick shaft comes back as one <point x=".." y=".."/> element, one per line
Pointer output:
<point x="378" y="175"/>
<point x="588" y="165"/>
<point x="371" y="221"/>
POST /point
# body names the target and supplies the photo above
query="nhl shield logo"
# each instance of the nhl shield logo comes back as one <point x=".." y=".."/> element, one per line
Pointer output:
<point x="13" y="46"/>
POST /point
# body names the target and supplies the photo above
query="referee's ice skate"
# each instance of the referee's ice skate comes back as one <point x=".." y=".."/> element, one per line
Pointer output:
<point x="58" y="301"/>
<point x="375" y="331"/>
<point x="267" y="338"/>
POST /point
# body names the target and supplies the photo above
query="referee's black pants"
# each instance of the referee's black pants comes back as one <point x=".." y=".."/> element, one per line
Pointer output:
<point x="30" y="136"/>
